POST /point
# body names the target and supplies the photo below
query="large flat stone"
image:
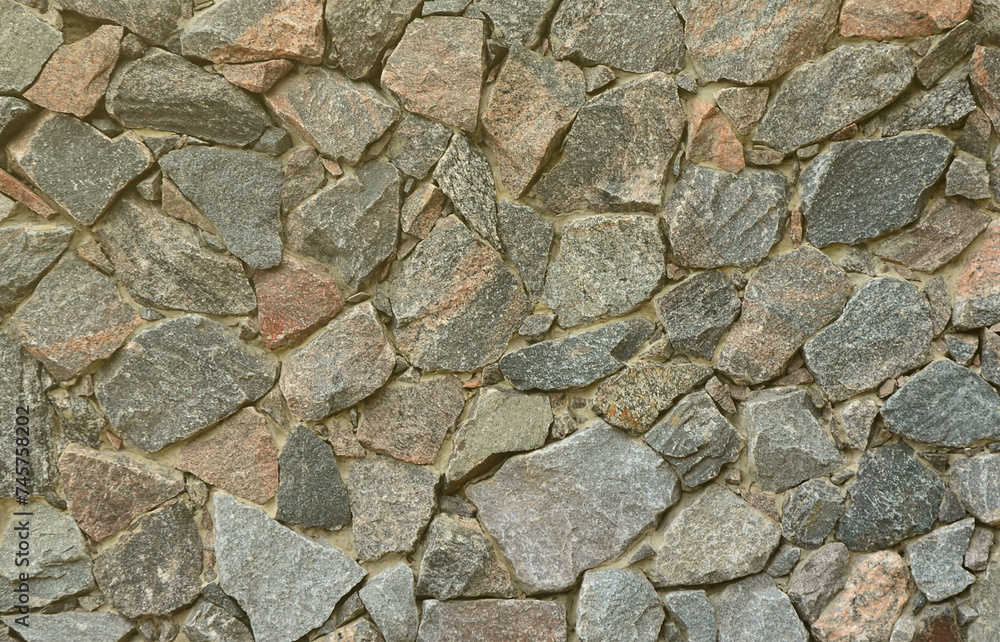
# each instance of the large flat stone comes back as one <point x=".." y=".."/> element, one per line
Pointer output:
<point x="492" y="620"/>
<point x="26" y="42"/>
<point x="697" y="312"/>
<point x="26" y="252"/>
<point x="153" y="20"/>
<point x="882" y="19"/>
<point x="93" y="627"/>
<point x="936" y="560"/>
<point x="941" y="233"/>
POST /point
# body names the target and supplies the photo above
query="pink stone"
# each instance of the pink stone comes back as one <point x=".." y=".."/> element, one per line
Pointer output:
<point x="75" y="78"/>
<point x="294" y="300"/>
<point x="882" y="19"/>
<point x="257" y="77"/>
<point x="869" y="604"/>
<point x="711" y="138"/>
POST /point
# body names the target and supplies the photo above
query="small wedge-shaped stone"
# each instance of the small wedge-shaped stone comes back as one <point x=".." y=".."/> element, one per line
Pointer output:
<point x="941" y="233"/>
<point x="945" y="104"/>
<point x="80" y="168"/>
<point x="189" y="358"/>
<point x="885" y="330"/>
<point x="312" y="492"/>
<point x="207" y="622"/>
<point x="618" y="151"/>
<point x="417" y="144"/>
<point x="465" y="177"/>
<point x="93" y="627"/>
<point x="255" y="30"/>
<point x="822" y="97"/>
<point x="482" y="620"/>
<point x="26" y="42"/>
<point x="810" y="512"/>
<point x="818" y="579"/>
<point x="153" y="20"/>
<point x="755" y="609"/>
<point x="618" y="604"/>
<point x="936" y="560"/>
<point x="252" y="552"/>
<point x="527" y="239"/>
<point x="977" y="288"/>
<point x="539" y="506"/>
<point x="360" y="31"/>
<point x="347" y="361"/>
<point x="165" y="263"/>
<point x="459" y="562"/>
<point x="164" y="91"/>
<point x="388" y="597"/>
<point x="635" y="397"/>
<point x="26" y="251"/>
<point x="976" y="480"/>
<point x="697" y="312"/>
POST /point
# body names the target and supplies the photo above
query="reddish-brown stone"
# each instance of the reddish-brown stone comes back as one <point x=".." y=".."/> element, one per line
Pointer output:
<point x="711" y="138"/>
<point x="977" y="288"/>
<point x="941" y="233"/>
<point x="938" y="624"/>
<point x="20" y="193"/>
<point x="107" y="490"/>
<point x="293" y="300"/>
<point x="257" y="77"/>
<point x="985" y="76"/>
<point x="882" y="19"/>
<point x="76" y="76"/>
<point x="239" y="456"/>
<point x="344" y="443"/>
<point x="493" y="621"/>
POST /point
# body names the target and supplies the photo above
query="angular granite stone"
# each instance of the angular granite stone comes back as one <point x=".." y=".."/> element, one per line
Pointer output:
<point x="711" y="138"/>
<point x="417" y="144"/>
<point x="977" y="288"/>
<point x="153" y="20"/>
<point x="75" y="79"/>
<point x="207" y="622"/>
<point x="692" y="613"/>
<point x="967" y="176"/>
<point x="936" y="560"/>
<point x="810" y="512"/>
<point x="697" y="312"/>
<point x="26" y="252"/>
<point x="26" y="42"/>
<point x="294" y="300"/>
<point x="466" y="178"/>
<point x="486" y="620"/>
<point x="422" y="209"/>
<point x="941" y="233"/>
<point x="882" y="19"/>
<point x="976" y="480"/>
<point x="14" y="112"/>
<point x="743" y="105"/>
<point x="946" y="52"/>
<point x="526" y="238"/>
<point x="257" y="77"/>
<point x="755" y="609"/>
<point x="389" y="599"/>
<point x="536" y="506"/>
<point x="617" y="604"/>
<point x="360" y="31"/>
<point x="990" y="357"/>
<point x="818" y="579"/>
<point x="985" y="77"/>
<point x="945" y="104"/>
<point x="459" y="562"/>
<point x="79" y="417"/>
<point x="635" y="397"/>
<point x="93" y="627"/>
<point x="986" y="600"/>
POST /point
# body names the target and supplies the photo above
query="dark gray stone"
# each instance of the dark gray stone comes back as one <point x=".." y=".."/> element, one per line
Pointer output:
<point x="360" y="31"/>
<point x="693" y="614"/>
<point x="526" y="238"/>
<point x="990" y="357"/>
<point x="784" y="561"/>
<point x="26" y="252"/>
<point x="754" y="609"/>
<point x="207" y="622"/>
<point x="153" y="20"/>
<point x="961" y="348"/>
<point x="465" y="177"/>
<point x="275" y="141"/>
<point x="26" y="42"/>
<point x="942" y="105"/>
<point x="79" y="417"/>
<point x="954" y="45"/>
<point x="417" y="144"/>
<point x="697" y="312"/>
<point x="310" y="491"/>
<point x="93" y="627"/>
<point x="617" y="604"/>
<point x="304" y="173"/>
<point x="818" y="579"/>
<point x="810" y="512"/>
<point x="14" y="112"/>
<point x="459" y="562"/>
<point x="939" y="298"/>
<point x="521" y="21"/>
<point x="936" y="560"/>
<point x="391" y="603"/>
<point x="976" y="480"/>
<point x="536" y="326"/>
<point x="634" y="398"/>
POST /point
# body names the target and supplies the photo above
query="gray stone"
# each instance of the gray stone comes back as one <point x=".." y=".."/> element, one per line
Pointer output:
<point x="716" y="538"/>
<point x="155" y="569"/>
<point x="577" y="360"/>
<point x="601" y="76"/>
<point x="634" y="398"/>
<point x="887" y="327"/>
<point x="618" y="151"/>
<point x="536" y="326"/>
<point x="274" y="142"/>
<point x="60" y="627"/>
<point x="153" y="20"/>
<point x="465" y="177"/>
<point x="446" y="317"/>
<point x="961" y="348"/>
<point x="977" y="287"/>
<point x="860" y="189"/>
<point x="818" y="579"/>
<point x="936" y="560"/>
<point x="26" y="42"/>
<point x="939" y="298"/>
<point x="944" y="404"/>
<point x="352" y="223"/>
<point x="359" y="630"/>
<point x="521" y="21"/>
<point x="310" y="491"/>
<point x="537" y="505"/>
<point x="941" y="233"/>
<point x="246" y="212"/>
<point x="485" y="620"/>
<point x="390" y="601"/>
<point x="784" y="561"/>
<point x="607" y="266"/>
<point x="951" y="508"/>
<point x="164" y="91"/>
<point x="79" y="417"/>
<point x="977" y="557"/>
<point x="822" y="97"/>
<point x="743" y="105"/>
<point x="207" y="622"/>
<point x="954" y="45"/>
<point x="967" y="176"/>
<point x="345" y="362"/>
<point x="459" y="562"/>
<point x="165" y="263"/>
<point x="894" y="497"/>
<point x="617" y="604"/>
<point x="986" y="600"/>
<point x="13" y="114"/>
<point x="392" y="502"/>
<point x="253" y="553"/>
<point x="990" y="357"/>
<point x="80" y="168"/>
<point x="945" y="104"/>
<point x="810" y="512"/>
<point x="417" y="144"/>
<point x="139" y="387"/>
<point x="359" y="32"/>
<point x="304" y="173"/>
<point x="786" y="444"/>
<point x="526" y="238"/>
<point x="638" y="36"/>
<point x="976" y="480"/>
<point x="754" y="609"/>
<point x="716" y="218"/>
<point x="26" y="252"/>
<point x="693" y="614"/>
<point x="697" y="312"/>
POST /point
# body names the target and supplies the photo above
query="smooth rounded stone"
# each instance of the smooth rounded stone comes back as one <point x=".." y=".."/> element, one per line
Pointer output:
<point x="360" y="31"/>
<point x="635" y="397"/>
<point x="697" y="312"/>
<point x="755" y="609"/>
<point x="716" y="218"/>
<point x="944" y="404"/>
<point x="311" y="491"/>
<point x="810" y="512"/>
<point x="743" y="105"/>
<point x="164" y="91"/>
<point x="390" y="601"/>
<point x="337" y="116"/>
<point x="699" y="542"/>
<point x="437" y="68"/>
<point x="59" y="627"/>
<point x="617" y="604"/>
<point x="693" y="614"/>
<point x="499" y="422"/>
<point x="882" y="19"/>
<point x="943" y="105"/>
<point x="417" y="144"/>
<point x="347" y="361"/>
<point x="255" y="30"/>
<point x="165" y="263"/>
<point x="986" y="600"/>
<point x="577" y="360"/>
<point x="884" y="331"/>
<point x="526" y="238"/>
<point x="936" y="560"/>
<point x="26" y="43"/>
<point x="638" y="36"/>
<point x="945" y="229"/>
<point x="894" y="497"/>
<point x="294" y="299"/>
<point x="860" y="189"/>
<point x="207" y="622"/>
<point x="26" y="252"/>
<point x="821" y="97"/>
<point x="80" y="419"/>
<point x="246" y="211"/>
<point x="537" y="505"/>
<point x="876" y="590"/>
<point x="465" y="176"/>
<point x="459" y="561"/>
<point x="88" y="170"/>
<point x="607" y="266"/>
<point x="492" y="620"/>
<point x="155" y="569"/>
<point x="817" y="579"/>
<point x="254" y="553"/>
<point x="351" y="224"/>
<point x="446" y="316"/>
<point x="618" y="151"/>
<point x="786" y="444"/>
<point x="977" y="288"/>
<point x="976" y="480"/>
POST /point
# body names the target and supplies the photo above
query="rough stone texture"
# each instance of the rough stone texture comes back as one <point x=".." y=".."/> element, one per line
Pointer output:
<point x="155" y="569"/>
<point x="990" y="355"/>
<point x="459" y="562"/>
<point x="810" y="512"/>
<point x="700" y="542"/>
<point x="976" y="480"/>
<point x="107" y="489"/>
<point x="207" y="622"/>
<point x="164" y="91"/>
<point x="754" y="609"/>
<point x="421" y="210"/>
<point x="417" y="144"/>
<point x="535" y="506"/>
<point x="617" y="152"/>
<point x="936" y="560"/>
<point x="437" y="68"/>
<point x="294" y="300"/>
<point x="257" y="77"/>
<point x="882" y="19"/>
<point x="351" y="224"/>
<point x="977" y="288"/>
<point x="941" y="233"/>
<point x="465" y="176"/>
<point x="26" y="252"/>
<point x="711" y="138"/>
<point x="390" y="602"/>
<point x="945" y="104"/>
<point x="887" y="327"/>
<point x="391" y="502"/>
<point x="607" y="266"/>
<point x="818" y="579"/>
<point x="526" y="238"/>
<point x="894" y="497"/>
<point x="76" y="76"/>
<point x="347" y="361"/>
<point x="986" y="600"/>
<point x="337" y="116"/>
<point x="617" y="604"/>
<point x="967" y="176"/>
<point x="79" y="417"/>
<point x="820" y="98"/>
<point x="634" y="398"/>
<point x="985" y="77"/>
<point x="693" y="614"/>
<point x="716" y="218"/>
<point x="26" y="42"/>
<point x="410" y="422"/>
<point x="360" y="31"/>
<point x="450" y="315"/>
<point x="696" y="313"/>
<point x="947" y="51"/>
<point x="577" y="360"/>
<point x="246" y="212"/>
<point x="938" y="623"/>
<point x="80" y="168"/>
<point x="492" y="621"/>
<point x="152" y="20"/>
<point x="93" y="627"/>
<point x="253" y="553"/>
<point x="743" y="105"/>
